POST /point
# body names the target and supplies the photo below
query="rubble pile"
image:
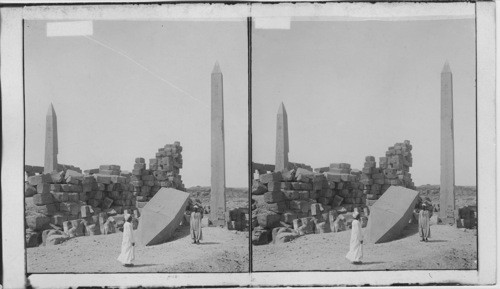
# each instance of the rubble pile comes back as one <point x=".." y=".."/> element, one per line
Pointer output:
<point x="305" y="202"/>
<point x="71" y="204"/>
<point x="393" y="170"/>
<point x="163" y="172"/>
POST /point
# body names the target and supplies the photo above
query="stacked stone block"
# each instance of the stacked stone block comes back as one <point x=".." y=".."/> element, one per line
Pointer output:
<point x="71" y="204"/>
<point x="308" y="201"/>
<point x="393" y="170"/>
<point x="237" y="219"/>
<point x="110" y="190"/>
<point x="163" y="172"/>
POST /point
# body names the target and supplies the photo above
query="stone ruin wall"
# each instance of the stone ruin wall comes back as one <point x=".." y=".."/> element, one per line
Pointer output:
<point x="93" y="202"/>
<point x="323" y="201"/>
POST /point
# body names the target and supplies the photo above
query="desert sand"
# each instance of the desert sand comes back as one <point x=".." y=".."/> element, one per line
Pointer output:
<point x="220" y="251"/>
<point x="448" y="248"/>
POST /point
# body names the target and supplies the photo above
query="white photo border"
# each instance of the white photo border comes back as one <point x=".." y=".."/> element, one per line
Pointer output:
<point x="11" y="65"/>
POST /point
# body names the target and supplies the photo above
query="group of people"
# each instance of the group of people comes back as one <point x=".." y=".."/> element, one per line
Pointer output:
<point x="355" y="253"/>
<point x="127" y="254"/>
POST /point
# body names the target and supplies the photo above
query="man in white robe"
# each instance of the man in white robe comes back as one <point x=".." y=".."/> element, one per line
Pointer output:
<point x="355" y="253"/>
<point x="127" y="254"/>
<point x="424" y="226"/>
<point x="195" y="224"/>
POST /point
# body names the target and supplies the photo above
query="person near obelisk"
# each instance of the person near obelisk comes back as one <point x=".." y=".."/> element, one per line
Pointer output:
<point x="195" y="224"/>
<point x="355" y="253"/>
<point x="127" y="254"/>
<point x="424" y="226"/>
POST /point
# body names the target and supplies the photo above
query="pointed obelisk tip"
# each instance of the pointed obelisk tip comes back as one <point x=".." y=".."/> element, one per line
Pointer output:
<point x="446" y="67"/>
<point x="51" y="110"/>
<point x="216" y="68"/>
<point x="281" y="110"/>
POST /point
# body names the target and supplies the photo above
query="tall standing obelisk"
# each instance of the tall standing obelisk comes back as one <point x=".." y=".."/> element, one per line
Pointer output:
<point x="281" y="163"/>
<point x="447" y="188"/>
<point x="218" y="179"/>
<point x="51" y="148"/>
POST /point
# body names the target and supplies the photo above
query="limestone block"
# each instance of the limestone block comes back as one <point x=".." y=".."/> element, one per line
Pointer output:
<point x="32" y="239"/>
<point x="260" y="236"/>
<point x="141" y="166"/>
<point x="71" y="207"/>
<point x="92" y="230"/>
<point x="322" y="227"/>
<point x="288" y="176"/>
<point x="38" y="222"/>
<point x="337" y="201"/>
<point x="39" y="179"/>
<point x="73" y="197"/>
<point x="271" y="177"/>
<point x="273" y="197"/>
<point x="288" y="217"/>
<point x="332" y="177"/>
<point x="59" y="218"/>
<point x="57" y="177"/>
<point x="291" y="195"/>
<point x="303" y="195"/>
<point x="269" y="220"/>
<point x="85" y="211"/>
<point x="73" y="180"/>
<point x="107" y="203"/>
<point x="315" y="209"/>
<point x="53" y="240"/>
<point x="300" y="205"/>
<point x="258" y="188"/>
<point x="118" y="179"/>
<point x="278" y="207"/>
<point x="29" y="191"/>
<point x="103" y="179"/>
<point x="307" y="225"/>
<point x="43" y="199"/>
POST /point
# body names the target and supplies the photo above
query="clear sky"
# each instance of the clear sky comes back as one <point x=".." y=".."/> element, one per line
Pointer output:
<point x="354" y="88"/>
<point x="134" y="87"/>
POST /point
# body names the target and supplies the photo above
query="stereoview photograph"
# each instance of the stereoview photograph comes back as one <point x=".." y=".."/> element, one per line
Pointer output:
<point x="364" y="144"/>
<point x="128" y="129"/>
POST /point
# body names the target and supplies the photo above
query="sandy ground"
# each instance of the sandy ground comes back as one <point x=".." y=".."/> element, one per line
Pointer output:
<point x="220" y="251"/>
<point x="449" y="248"/>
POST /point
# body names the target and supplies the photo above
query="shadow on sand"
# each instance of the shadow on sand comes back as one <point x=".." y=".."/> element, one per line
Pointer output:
<point x="370" y="263"/>
<point x="209" y="243"/>
<point x="143" y="265"/>
<point x="436" y="241"/>
<point x="180" y="232"/>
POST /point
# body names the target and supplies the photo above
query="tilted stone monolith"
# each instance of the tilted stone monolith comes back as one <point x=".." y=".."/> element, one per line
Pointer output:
<point x="161" y="216"/>
<point x="51" y="147"/>
<point x="390" y="214"/>
<point x="218" y="179"/>
<point x="447" y="188"/>
<point x="281" y="163"/>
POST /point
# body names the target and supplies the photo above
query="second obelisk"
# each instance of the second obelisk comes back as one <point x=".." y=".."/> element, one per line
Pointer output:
<point x="218" y="179"/>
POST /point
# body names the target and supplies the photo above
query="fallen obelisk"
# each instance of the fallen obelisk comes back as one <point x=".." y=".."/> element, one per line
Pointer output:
<point x="390" y="214"/>
<point x="161" y="216"/>
<point x="447" y="187"/>
<point x="218" y="169"/>
<point x="51" y="148"/>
